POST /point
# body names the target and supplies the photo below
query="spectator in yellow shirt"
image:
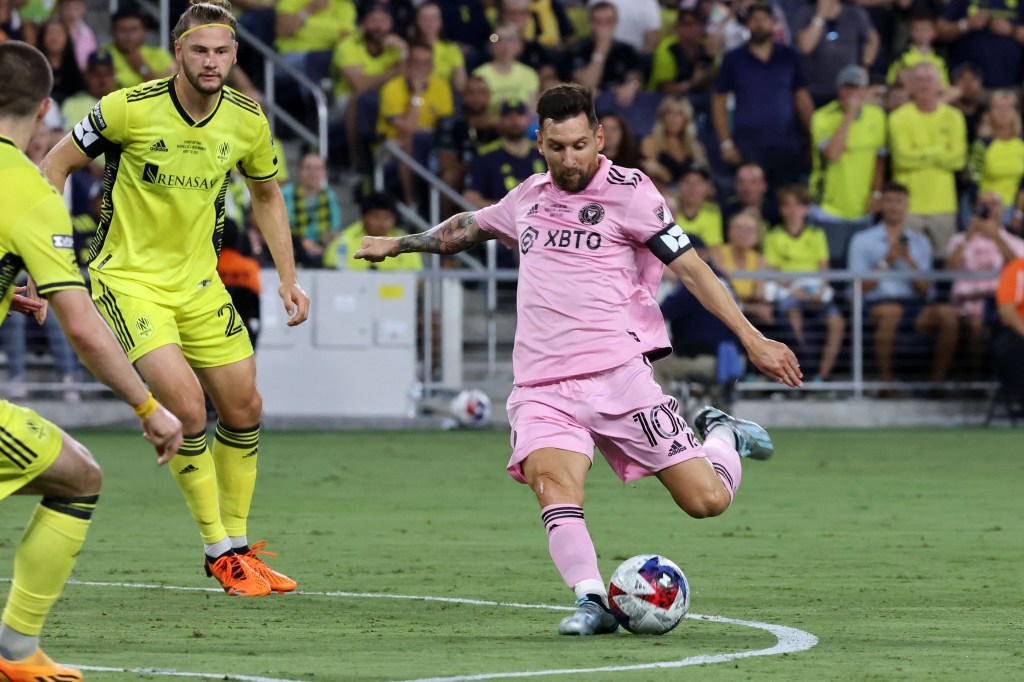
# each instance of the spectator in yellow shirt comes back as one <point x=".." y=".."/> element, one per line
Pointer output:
<point x="134" y="61"/>
<point x="410" y="106"/>
<point x="997" y="157"/>
<point x="928" y="143"/>
<point x="449" y="62"/>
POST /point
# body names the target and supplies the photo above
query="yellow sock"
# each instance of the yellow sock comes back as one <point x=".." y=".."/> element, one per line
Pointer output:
<point x="44" y="559"/>
<point x="235" y="451"/>
<point x="196" y="475"/>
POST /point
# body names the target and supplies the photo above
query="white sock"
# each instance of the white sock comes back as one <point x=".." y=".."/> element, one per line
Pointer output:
<point x="218" y="548"/>
<point x="238" y="541"/>
<point x="724" y="433"/>
<point x="15" y="646"/>
<point x="585" y="587"/>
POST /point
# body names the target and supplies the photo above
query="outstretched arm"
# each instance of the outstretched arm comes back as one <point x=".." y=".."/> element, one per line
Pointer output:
<point x="457" y="234"/>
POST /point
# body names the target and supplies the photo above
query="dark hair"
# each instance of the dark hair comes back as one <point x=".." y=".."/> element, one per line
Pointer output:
<point x="415" y="34"/>
<point x="127" y="11"/>
<point x="922" y="15"/>
<point x="565" y="101"/>
<point x="756" y="7"/>
<point x="25" y="79"/>
<point x="628" y="153"/>
<point x="378" y="201"/>
<point x="202" y="12"/>
<point x="798" y="192"/>
<point x="67" y="78"/>
<point x="895" y="187"/>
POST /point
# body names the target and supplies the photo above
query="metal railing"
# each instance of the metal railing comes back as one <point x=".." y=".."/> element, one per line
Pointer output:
<point x="484" y="272"/>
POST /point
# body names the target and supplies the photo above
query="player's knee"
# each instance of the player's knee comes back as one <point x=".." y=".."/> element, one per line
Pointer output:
<point x="89" y="477"/>
<point x="551" y="488"/>
<point x="711" y="502"/>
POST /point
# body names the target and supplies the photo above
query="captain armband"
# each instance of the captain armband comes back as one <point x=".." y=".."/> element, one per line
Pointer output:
<point x="86" y="134"/>
<point x="669" y="244"/>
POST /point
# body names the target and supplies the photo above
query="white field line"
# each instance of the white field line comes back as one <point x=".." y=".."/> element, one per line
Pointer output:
<point x="789" y="640"/>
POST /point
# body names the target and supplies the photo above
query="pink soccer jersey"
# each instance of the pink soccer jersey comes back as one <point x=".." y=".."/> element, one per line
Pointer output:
<point x="587" y="279"/>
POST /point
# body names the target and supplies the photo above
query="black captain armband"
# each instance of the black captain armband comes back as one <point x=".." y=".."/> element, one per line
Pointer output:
<point x="87" y="135"/>
<point x="669" y="244"/>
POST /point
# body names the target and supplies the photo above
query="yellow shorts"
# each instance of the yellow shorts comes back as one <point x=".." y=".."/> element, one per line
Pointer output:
<point x="28" y="446"/>
<point x="207" y="327"/>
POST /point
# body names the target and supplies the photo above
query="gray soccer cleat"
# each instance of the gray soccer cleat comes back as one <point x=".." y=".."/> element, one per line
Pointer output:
<point x="751" y="440"/>
<point x="591" y="618"/>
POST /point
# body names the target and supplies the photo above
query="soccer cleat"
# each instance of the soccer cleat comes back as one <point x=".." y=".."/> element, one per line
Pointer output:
<point x="237" y="577"/>
<point x="278" y="582"/>
<point x="591" y="618"/>
<point x="751" y="440"/>
<point x="37" y="667"/>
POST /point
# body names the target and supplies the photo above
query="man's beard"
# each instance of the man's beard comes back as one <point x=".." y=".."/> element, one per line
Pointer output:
<point x="195" y="82"/>
<point x="761" y="37"/>
<point x="575" y="182"/>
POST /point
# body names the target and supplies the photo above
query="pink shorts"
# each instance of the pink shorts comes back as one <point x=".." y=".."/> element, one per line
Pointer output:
<point x="622" y="411"/>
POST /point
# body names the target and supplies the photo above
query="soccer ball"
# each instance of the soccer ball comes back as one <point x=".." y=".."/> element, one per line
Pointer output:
<point x="471" y="407"/>
<point x="648" y="595"/>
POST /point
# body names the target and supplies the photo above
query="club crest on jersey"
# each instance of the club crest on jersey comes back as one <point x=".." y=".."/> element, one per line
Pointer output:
<point x="143" y="326"/>
<point x="591" y="214"/>
<point x="528" y="239"/>
<point x="223" y="152"/>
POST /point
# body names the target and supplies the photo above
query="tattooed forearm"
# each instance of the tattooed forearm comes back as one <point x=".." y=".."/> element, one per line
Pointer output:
<point x="456" y="234"/>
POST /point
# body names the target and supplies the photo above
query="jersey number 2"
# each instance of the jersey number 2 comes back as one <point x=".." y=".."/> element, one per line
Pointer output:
<point x="234" y="324"/>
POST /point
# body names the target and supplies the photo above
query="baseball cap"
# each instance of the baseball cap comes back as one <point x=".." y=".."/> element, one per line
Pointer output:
<point x="99" y="58"/>
<point x="854" y="75"/>
<point x="513" y="105"/>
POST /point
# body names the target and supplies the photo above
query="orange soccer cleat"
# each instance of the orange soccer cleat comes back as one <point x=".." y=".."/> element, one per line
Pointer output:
<point x="37" y="667"/>
<point x="237" y="577"/>
<point x="279" y="582"/>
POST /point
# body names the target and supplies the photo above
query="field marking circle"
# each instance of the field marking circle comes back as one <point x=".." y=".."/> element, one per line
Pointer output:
<point x="789" y="640"/>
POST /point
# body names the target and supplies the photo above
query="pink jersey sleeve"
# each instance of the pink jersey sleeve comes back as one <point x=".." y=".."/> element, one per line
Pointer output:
<point x="647" y="212"/>
<point x="500" y="219"/>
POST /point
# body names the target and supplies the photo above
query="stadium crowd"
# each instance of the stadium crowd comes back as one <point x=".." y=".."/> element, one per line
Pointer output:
<point x="794" y="135"/>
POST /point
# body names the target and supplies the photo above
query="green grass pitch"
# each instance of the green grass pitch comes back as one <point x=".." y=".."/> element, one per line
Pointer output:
<point x="899" y="549"/>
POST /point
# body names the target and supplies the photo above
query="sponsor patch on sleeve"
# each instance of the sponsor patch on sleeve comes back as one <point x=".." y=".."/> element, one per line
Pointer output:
<point x="63" y="241"/>
<point x="669" y="243"/>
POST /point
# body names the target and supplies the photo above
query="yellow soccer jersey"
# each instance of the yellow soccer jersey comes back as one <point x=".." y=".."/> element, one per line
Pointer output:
<point x="162" y="216"/>
<point x="35" y="230"/>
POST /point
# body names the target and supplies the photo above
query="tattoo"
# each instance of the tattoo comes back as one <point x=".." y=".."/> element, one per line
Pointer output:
<point x="456" y="234"/>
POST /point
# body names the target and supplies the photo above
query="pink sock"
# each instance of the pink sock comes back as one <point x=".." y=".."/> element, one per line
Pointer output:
<point x="570" y="545"/>
<point x="726" y="462"/>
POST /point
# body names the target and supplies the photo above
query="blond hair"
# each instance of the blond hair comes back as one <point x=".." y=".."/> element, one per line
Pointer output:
<point x="691" y="145"/>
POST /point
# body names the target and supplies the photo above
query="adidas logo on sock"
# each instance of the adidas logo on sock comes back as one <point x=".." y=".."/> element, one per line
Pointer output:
<point x="189" y="469"/>
<point x="676" y="448"/>
<point x="251" y="453"/>
<point x="159" y="147"/>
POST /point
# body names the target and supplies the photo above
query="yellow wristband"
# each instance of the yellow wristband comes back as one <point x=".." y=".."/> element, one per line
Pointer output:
<point x="144" y="409"/>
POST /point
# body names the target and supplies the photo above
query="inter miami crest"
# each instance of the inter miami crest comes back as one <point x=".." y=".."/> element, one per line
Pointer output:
<point x="591" y="214"/>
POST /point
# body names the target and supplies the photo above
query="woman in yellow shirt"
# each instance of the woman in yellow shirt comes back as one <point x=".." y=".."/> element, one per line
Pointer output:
<point x="997" y="158"/>
<point x="449" y="63"/>
<point x="738" y="255"/>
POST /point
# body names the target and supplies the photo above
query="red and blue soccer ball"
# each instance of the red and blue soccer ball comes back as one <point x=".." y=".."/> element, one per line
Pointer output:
<point x="471" y="408"/>
<point x="648" y="595"/>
